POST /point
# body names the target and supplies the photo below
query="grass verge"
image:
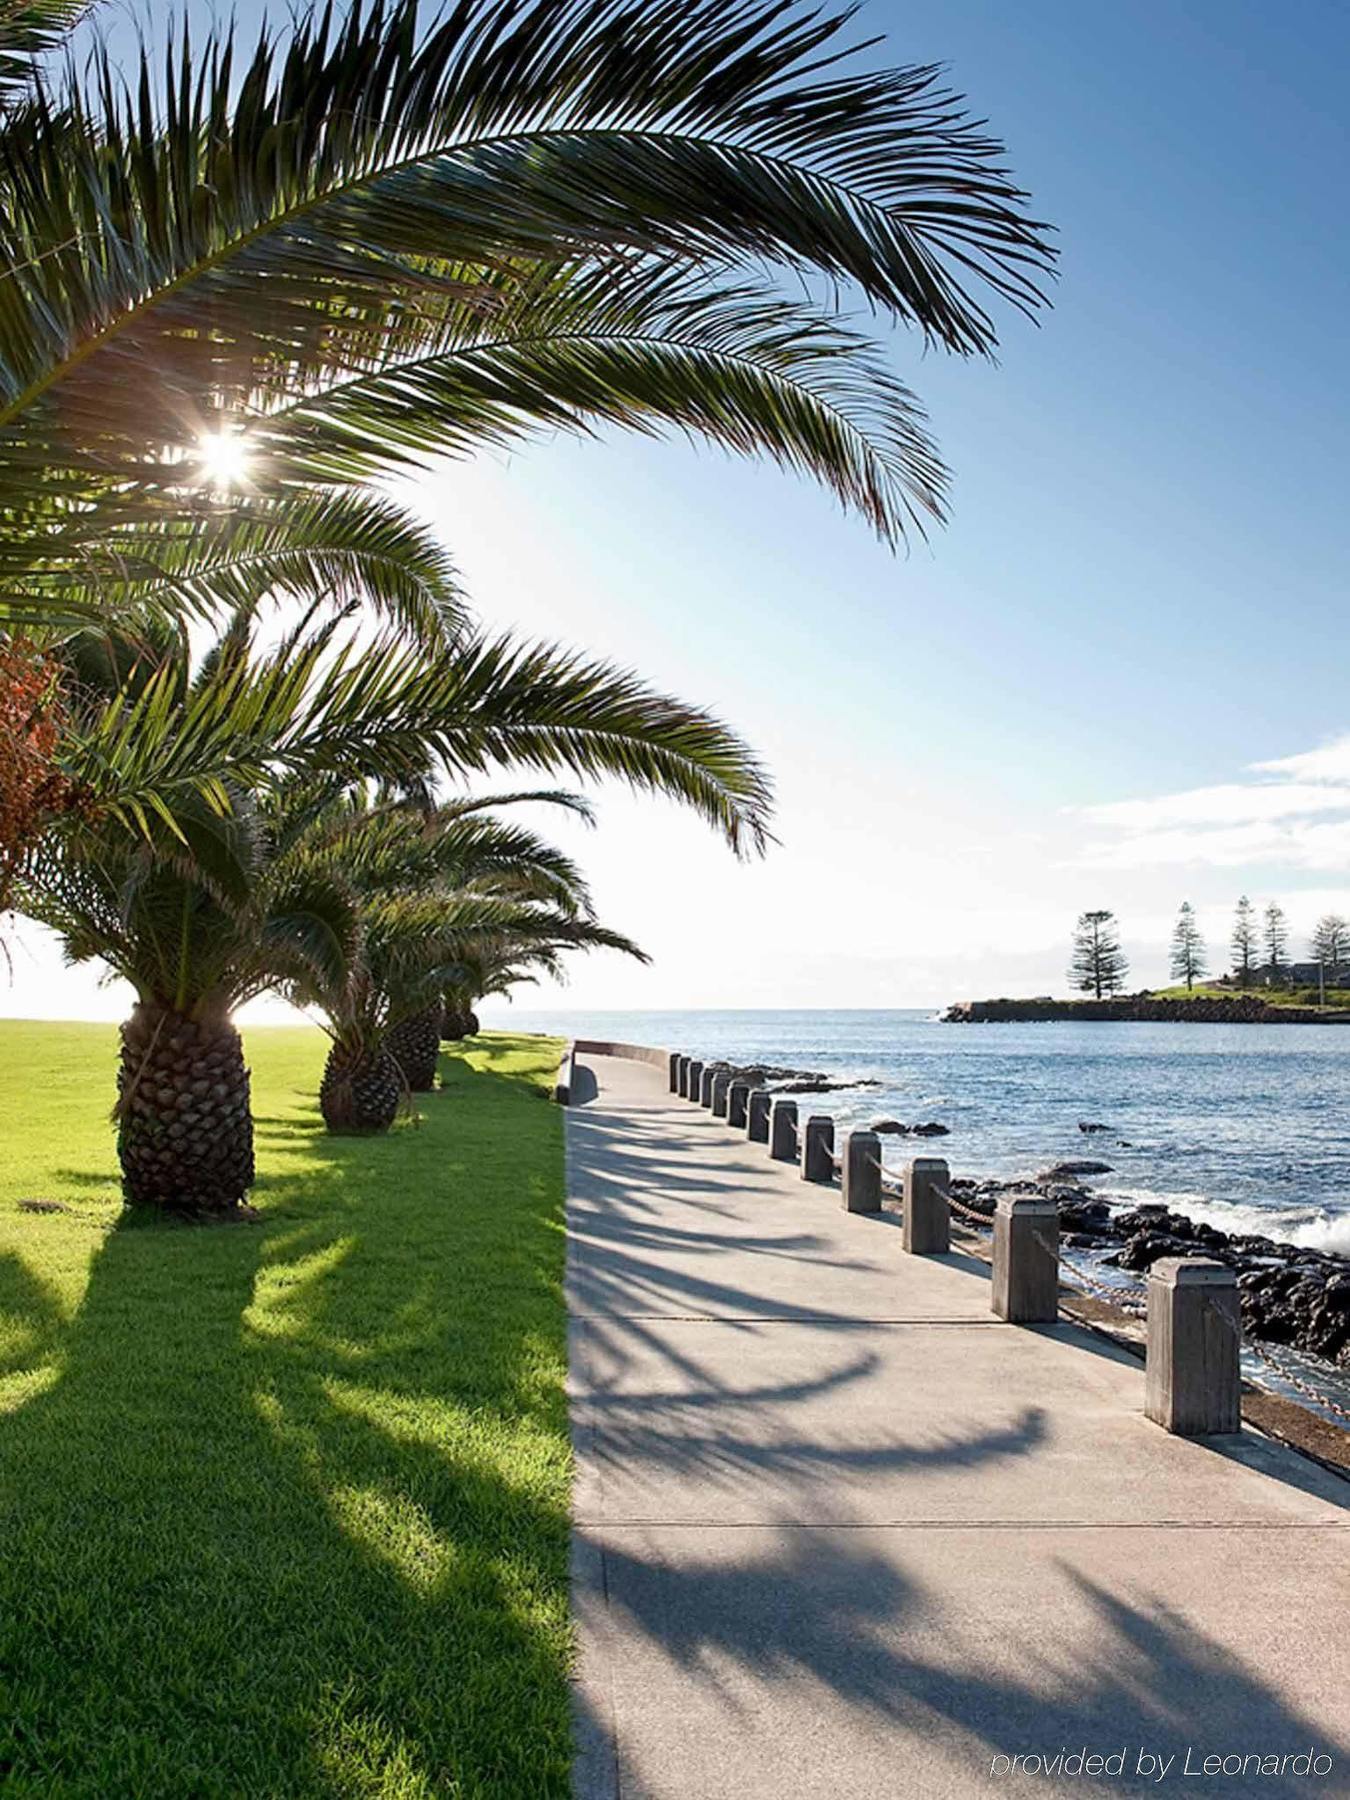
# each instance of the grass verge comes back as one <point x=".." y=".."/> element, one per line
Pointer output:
<point x="283" y="1508"/>
<point x="1337" y="998"/>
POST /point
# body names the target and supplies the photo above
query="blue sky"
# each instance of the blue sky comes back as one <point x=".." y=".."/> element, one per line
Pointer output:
<point x="1139" y="596"/>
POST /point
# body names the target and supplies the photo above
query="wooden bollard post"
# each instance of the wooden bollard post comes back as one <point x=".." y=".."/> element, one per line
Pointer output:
<point x="674" y="1071"/>
<point x="721" y="1082"/>
<point x="695" y="1081"/>
<point x="862" y="1172"/>
<point x="705" y="1085"/>
<point x="682" y="1078"/>
<point x="818" y="1148"/>
<point x="737" y="1095"/>
<point x="757" y="1115"/>
<point x="928" y="1226"/>
<point x="783" y="1131"/>
<point x="1026" y="1260"/>
<point x="1192" y="1384"/>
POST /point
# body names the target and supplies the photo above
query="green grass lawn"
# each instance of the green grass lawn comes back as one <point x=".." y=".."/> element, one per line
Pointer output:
<point x="283" y="1507"/>
<point x="1303" y="996"/>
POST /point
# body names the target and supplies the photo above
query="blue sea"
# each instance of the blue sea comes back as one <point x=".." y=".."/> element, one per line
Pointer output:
<point x="1244" y="1126"/>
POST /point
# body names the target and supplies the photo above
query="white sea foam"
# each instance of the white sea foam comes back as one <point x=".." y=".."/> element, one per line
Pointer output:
<point x="1308" y="1226"/>
<point x="1326" y="1234"/>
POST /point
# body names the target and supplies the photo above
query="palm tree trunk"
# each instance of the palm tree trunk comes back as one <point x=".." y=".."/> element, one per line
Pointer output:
<point x="185" y="1128"/>
<point x="415" y="1043"/>
<point x="361" y="1088"/>
<point x="458" y="1023"/>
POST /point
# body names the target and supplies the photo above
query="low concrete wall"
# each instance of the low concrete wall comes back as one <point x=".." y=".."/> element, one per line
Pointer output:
<point x="648" y="1053"/>
<point x="630" y="1052"/>
<point x="562" y="1087"/>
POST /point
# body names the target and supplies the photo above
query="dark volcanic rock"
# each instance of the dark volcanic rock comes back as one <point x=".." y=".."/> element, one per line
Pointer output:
<point x="982" y="1195"/>
<point x="894" y="1128"/>
<point x="1143" y="1251"/>
<point x="784" y="1080"/>
<point x="821" y="1084"/>
<point x="1288" y="1294"/>
<point x="1140" y="1218"/>
<point x="1091" y="1219"/>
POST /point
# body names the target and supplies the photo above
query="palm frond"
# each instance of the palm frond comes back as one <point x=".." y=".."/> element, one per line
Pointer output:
<point x="323" y="549"/>
<point x="393" y="847"/>
<point x="461" y="805"/>
<point x="172" y="910"/>
<point x="252" y="242"/>
<point x="535" y="945"/>
<point x="28" y="30"/>
<point x="406" y="945"/>
<point x="644" y="345"/>
<point x="234" y="812"/>
<point x="347" y="710"/>
<point x="309" y="933"/>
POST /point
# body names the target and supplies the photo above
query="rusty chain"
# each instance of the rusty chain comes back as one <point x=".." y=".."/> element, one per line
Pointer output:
<point x="966" y="1212"/>
<point x="1130" y="1300"/>
<point x="1276" y="1363"/>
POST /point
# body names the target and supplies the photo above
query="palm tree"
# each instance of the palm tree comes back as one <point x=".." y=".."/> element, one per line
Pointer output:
<point x="172" y="871"/>
<point x="326" y="553"/>
<point x="408" y="945"/>
<point x="489" y="857"/>
<point x="496" y="966"/>
<point x="389" y="1005"/>
<point x="371" y="242"/>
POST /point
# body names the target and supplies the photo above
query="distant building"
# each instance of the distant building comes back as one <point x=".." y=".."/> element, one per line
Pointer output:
<point x="1299" y="974"/>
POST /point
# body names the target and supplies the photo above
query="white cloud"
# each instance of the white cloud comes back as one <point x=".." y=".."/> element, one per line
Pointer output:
<point x="1230" y="804"/>
<point x="1330" y="763"/>
<point x="1301" y="846"/>
<point x="1236" y="824"/>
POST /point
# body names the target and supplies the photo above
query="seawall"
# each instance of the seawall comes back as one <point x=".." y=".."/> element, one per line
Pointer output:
<point x="1243" y="1009"/>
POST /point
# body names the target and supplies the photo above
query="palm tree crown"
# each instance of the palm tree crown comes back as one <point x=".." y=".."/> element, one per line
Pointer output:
<point x="372" y="239"/>
<point x="221" y="846"/>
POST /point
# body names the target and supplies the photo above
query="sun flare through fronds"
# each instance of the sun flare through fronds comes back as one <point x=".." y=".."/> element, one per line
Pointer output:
<point x="223" y="460"/>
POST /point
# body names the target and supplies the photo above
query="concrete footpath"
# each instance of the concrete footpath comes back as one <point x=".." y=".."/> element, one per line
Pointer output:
<point x="839" y="1532"/>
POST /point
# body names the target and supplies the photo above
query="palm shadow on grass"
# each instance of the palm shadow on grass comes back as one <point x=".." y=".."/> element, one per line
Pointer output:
<point x="292" y="1519"/>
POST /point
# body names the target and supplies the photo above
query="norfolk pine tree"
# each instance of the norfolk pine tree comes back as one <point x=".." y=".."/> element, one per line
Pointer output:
<point x="1330" y="941"/>
<point x="1099" y="965"/>
<point x="1275" y="936"/>
<point x="1189" y="960"/>
<point x="1245" y="942"/>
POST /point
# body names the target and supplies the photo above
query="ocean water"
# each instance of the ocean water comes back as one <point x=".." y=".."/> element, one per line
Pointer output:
<point x="1245" y="1126"/>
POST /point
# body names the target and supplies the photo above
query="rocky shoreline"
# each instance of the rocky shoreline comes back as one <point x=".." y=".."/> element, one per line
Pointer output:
<point x="787" y="1081"/>
<point x="1289" y="1294"/>
<point x="1148" y="1009"/>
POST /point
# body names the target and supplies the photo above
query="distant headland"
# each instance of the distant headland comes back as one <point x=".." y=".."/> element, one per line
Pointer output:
<point x="1201" y="1006"/>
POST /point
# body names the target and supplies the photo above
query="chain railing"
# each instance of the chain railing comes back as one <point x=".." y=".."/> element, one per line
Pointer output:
<point x="890" y="1186"/>
<point x="959" y="1206"/>
<point x="1277" y="1364"/>
<point x="1129" y="1298"/>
